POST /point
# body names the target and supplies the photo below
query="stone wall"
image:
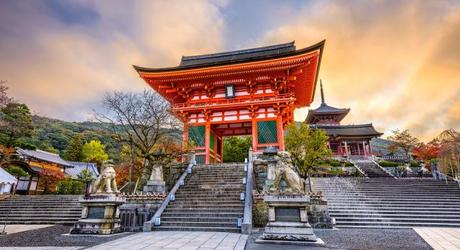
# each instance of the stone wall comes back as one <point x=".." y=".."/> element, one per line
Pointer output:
<point x="135" y="212"/>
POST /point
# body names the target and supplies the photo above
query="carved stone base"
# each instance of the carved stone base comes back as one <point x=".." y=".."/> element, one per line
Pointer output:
<point x="155" y="187"/>
<point x="100" y="215"/>
<point x="287" y="219"/>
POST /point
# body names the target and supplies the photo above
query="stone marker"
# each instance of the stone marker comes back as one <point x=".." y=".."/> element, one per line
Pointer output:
<point x="101" y="209"/>
<point x="287" y="205"/>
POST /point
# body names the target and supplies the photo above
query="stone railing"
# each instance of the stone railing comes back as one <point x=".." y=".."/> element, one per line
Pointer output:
<point x="156" y="218"/>
<point x="246" y="226"/>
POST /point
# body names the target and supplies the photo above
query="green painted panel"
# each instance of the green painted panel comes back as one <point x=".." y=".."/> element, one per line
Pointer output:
<point x="211" y="141"/>
<point x="196" y="135"/>
<point x="266" y="132"/>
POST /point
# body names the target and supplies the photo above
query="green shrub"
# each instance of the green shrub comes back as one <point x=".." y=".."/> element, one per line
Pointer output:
<point x="388" y="164"/>
<point x="70" y="186"/>
<point x="414" y="164"/>
<point x="16" y="171"/>
<point x="259" y="214"/>
<point x="349" y="164"/>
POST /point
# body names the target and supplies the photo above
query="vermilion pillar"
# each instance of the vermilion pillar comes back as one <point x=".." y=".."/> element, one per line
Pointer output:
<point x="207" y="140"/>
<point x="185" y="135"/>
<point x="254" y="135"/>
<point x="279" y="131"/>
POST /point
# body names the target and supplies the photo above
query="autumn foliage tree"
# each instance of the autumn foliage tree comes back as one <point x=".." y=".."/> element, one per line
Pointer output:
<point x="427" y="151"/>
<point x="48" y="178"/>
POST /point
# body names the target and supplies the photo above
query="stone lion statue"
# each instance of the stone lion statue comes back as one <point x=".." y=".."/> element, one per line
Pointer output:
<point x="284" y="170"/>
<point x="105" y="182"/>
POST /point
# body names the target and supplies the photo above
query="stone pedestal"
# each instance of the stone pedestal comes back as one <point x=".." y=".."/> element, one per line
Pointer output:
<point x="100" y="215"/>
<point x="155" y="186"/>
<point x="288" y="221"/>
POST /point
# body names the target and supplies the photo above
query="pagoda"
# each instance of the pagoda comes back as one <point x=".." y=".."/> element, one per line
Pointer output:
<point x="244" y="92"/>
<point x="344" y="140"/>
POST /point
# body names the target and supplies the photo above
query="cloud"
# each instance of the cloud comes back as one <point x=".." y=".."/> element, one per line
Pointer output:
<point x="395" y="65"/>
<point x="61" y="65"/>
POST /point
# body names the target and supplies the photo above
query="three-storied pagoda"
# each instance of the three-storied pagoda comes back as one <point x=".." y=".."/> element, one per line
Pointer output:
<point x="344" y="140"/>
<point x="245" y="92"/>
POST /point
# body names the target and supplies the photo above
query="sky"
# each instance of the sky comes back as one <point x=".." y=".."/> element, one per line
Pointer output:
<point x="394" y="63"/>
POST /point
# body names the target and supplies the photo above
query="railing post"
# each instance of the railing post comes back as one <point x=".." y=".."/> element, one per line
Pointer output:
<point x="246" y="226"/>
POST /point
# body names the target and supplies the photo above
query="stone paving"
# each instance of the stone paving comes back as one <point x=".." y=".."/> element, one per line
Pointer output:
<point x="440" y="238"/>
<point x="13" y="228"/>
<point x="178" y="240"/>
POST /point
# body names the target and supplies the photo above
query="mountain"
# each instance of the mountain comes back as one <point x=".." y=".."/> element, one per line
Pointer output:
<point x="56" y="134"/>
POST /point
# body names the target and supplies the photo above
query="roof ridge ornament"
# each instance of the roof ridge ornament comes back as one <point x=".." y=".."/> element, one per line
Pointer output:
<point x="322" y="91"/>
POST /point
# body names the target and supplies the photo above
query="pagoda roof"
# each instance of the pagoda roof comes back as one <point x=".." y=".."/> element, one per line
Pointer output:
<point x="237" y="56"/>
<point x="358" y="130"/>
<point x="326" y="110"/>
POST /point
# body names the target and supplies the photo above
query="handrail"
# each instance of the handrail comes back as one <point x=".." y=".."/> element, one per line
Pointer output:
<point x="246" y="226"/>
<point x="386" y="171"/>
<point x="156" y="218"/>
<point x="358" y="168"/>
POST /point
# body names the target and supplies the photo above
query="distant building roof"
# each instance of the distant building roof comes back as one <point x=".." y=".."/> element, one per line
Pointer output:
<point x="71" y="168"/>
<point x="6" y="177"/>
<point x="359" y="130"/>
<point x="43" y="155"/>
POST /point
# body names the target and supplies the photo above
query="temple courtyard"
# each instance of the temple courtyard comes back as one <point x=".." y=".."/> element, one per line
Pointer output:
<point x="56" y="237"/>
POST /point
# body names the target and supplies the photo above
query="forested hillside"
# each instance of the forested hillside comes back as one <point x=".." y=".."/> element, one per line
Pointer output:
<point x="54" y="135"/>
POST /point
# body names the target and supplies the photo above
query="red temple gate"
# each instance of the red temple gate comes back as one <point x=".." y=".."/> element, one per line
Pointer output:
<point x="246" y="92"/>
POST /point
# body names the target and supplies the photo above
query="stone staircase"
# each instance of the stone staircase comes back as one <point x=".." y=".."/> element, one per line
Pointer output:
<point x="209" y="200"/>
<point x="388" y="202"/>
<point x="370" y="168"/>
<point x="40" y="209"/>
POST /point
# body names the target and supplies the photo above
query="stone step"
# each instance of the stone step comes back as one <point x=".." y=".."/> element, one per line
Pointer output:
<point x="208" y="202"/>
<point x="194" y="214"/>
<point x="207" y="229"/>
<point x="216" y="206"/>
<point x="394" y="215"/>
<point x="199" y="219"/>
<point x="402" y="199"/>
<point x="182" y="223"/>
<point x="25" y="222"/>
<point x="205" y="210"/>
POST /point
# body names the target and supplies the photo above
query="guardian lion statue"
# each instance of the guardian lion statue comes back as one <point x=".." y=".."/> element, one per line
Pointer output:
<point x="105" y="182"/>
<point x="284" y="170"/>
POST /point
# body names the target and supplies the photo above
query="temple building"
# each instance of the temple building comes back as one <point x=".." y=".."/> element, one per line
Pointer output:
<point x="344" y="140"/>
<point x="36" y="162"/>
<point x="245" y="92"/>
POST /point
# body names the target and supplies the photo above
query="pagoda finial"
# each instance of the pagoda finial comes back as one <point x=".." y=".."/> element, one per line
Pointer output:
<point x="322" y="91"/>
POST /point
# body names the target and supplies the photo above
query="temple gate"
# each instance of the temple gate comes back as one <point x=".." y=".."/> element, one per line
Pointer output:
<point x="245" y="92"/>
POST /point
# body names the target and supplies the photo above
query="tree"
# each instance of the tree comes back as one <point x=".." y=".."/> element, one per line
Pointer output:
<point x="142" y="120"/>
<point x="49" y="177"/>
<point x="236" y="148"/>
<point x="4" y="98"/>
<point x="403" y="140"/>
<point x="94" y="151"/>
<point x="16" y="171"/>
<point x="428" y="151"/>
<point x="15" y="122"/>
<point x="74" y="151"/>
<point x="449" y="153"/>
<point x="308" y="147"/>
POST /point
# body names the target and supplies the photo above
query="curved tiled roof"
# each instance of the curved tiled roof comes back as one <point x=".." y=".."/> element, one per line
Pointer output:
<point x="365" y="130"/>
<point x="238" y="56"/>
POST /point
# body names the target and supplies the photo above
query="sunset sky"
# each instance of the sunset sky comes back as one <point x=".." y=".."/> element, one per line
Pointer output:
<point x="394" y="63"/>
